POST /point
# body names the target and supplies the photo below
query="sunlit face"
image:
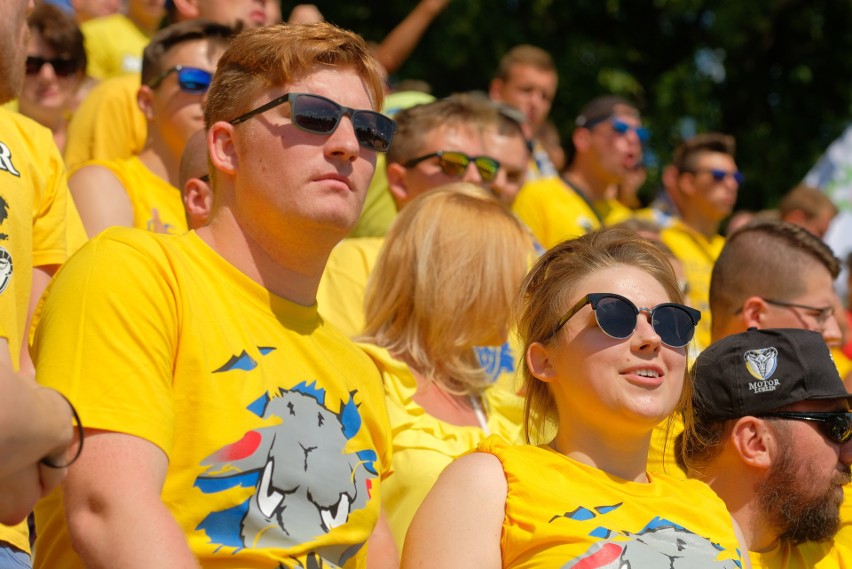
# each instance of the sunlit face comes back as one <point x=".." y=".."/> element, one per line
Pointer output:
<point x="713" y="199"/>
<point x="252" y="13"/>
<point x="818" y="293"/>
<point x="46" y="94"/>
<point x="178" y="114"/>
<point x="803" y="490"/>
<point x="615" y="154"/>
<point x="530" y="90"/>
<point x="608" y="384"/>
<point x="13" y="46"/>
<point x="428" y="174"/>
<point x="512" y="153"/>
<point x="292" y="182"/>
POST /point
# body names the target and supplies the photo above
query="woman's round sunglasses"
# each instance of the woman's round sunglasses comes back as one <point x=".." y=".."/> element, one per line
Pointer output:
<point x="318" y="115"/>
<point x="617" y="317"/>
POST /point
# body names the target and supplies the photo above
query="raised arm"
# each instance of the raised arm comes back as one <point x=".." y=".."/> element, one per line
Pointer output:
<point x="401" y="41"/>
<point x="460" y="522"/>
<point x="116" y="518"/>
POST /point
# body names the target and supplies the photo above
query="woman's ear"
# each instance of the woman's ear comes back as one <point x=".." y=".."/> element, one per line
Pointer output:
<point x="538" y="361"/>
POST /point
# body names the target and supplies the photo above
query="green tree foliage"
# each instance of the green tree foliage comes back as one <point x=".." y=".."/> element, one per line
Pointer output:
<point x="774" y="73"/>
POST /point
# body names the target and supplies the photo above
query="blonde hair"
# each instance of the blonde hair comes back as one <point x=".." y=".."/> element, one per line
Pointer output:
<point x="444" y="283"/>
<point x="550" y="287"/>
<point x="263" y="58"/>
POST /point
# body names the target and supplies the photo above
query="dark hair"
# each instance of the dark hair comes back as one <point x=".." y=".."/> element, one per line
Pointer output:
<point x="176" y="34"/>
<point x="768" y="257"/>
<point x="59" y="32"/>
<point x="685" y="155"/>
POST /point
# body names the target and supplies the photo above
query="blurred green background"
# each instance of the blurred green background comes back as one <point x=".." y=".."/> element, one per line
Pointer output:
<point x="774" y="73"/>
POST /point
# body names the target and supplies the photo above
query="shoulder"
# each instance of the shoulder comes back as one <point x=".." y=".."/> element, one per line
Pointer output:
<point x="16" y="127"/>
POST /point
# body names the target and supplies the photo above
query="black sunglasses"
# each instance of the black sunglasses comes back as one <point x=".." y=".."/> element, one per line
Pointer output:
<point x="62" y="66"/>
<point x="318" y="115"/>
<point x="190" y="79"/>
<point x="617" y="317"/>
<point x="836" y="426"/>
<point x="455" y="163"/>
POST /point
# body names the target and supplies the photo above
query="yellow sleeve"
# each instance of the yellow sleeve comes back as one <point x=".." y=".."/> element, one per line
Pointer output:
<point x="111" y="356"/>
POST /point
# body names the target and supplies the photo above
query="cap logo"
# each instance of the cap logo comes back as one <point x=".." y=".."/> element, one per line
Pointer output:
<point x="761" y="364"/>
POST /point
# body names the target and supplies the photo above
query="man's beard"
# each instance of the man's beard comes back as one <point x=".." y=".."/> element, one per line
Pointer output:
<point x="797" y="510"/>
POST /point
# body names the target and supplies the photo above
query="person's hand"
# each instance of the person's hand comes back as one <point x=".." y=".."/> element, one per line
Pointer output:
<point x="19" y="491"/>
<point x="305" y="14"/>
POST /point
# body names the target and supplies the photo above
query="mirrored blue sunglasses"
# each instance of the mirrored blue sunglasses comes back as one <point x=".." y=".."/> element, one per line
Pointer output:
<point x="190" y="79"/>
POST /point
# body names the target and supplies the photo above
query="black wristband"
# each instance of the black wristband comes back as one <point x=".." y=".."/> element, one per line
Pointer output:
<point x="81" y="433"/>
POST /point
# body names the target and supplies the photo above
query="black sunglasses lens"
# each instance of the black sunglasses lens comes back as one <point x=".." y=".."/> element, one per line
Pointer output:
<point x="64" y="67"/>
<point x="616" y="317"/>
<point x="674" y="325"/>
<point x="315" y="115"/>
<point x="34" y="65"/>
<point x="838" y="427"/>
<point x="373" y="130"/>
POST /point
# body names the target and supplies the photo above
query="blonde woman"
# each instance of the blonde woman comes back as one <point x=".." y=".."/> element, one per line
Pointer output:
<point x="451" y="265"/>
<point x="605" y="336"/>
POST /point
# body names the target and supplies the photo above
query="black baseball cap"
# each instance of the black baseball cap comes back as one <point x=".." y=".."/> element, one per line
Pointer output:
<point x="759" y="371"/>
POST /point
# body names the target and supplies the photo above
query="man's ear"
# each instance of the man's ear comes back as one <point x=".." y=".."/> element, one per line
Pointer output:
<point x="755" y="442"/>
<point x="221" y="147"/>
<point x="145" y="101"/>
<point x="494" y="89"/>
<point x="582" y="139"/>
<point x="538" y="361"/>
<point x="754" y="311"/>
<point x="188" y="9"/>
<point x="396" y="184"/>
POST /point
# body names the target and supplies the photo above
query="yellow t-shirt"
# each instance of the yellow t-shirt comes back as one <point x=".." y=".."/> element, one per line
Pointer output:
<point x="39" y="226"/>
<point x="562" y="513"/>
<point x="612" y="211"/>
<point x="108" y="123"/>
<point x="246" y="393"/>
<point x="697" y="253"/>
<point x="424" y="445"/>
<point x="114" y="46"/>
<point x="157" y="205"/>
<point x="379" y="209"/>
<point x="810" y="555"/>
<point x="344" y="282"/>
<point x="553" y="211"/>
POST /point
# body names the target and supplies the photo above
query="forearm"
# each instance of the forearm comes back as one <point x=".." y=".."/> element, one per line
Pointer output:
<point x="401" y="41"/>
<point x="107" y="536"/>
